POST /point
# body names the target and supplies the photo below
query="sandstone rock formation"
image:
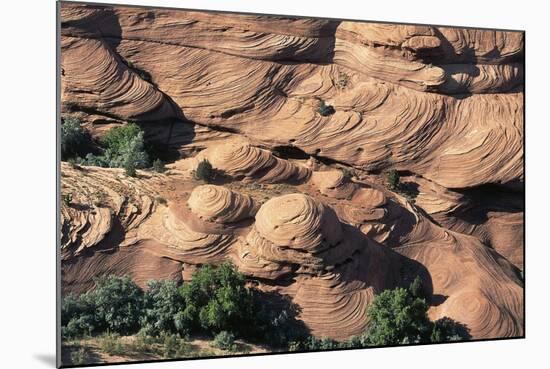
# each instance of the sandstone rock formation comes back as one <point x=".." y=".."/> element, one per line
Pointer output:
<point x="300" y="205"/>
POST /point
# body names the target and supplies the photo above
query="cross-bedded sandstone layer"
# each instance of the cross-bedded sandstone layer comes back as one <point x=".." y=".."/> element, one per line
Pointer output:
<point x="302" y="207"/>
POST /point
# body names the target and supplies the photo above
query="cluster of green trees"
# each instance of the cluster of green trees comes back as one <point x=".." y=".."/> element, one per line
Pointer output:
<point x="121" y="147"/>
<point x="216" y="301"/>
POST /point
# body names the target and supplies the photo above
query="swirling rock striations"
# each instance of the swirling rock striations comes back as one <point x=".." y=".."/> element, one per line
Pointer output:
<point x="204" y="229"/>
<point x="240" y="160"/>
<point x="336" y="268"/>
<point x="443" y="106"/>
<point x="96" y="80"/>
<point x="333" y="183"/>
<point x="492" y="215"/>
<point x="361" y="205"/>
<point x="187" y="242"/>
<point x="220" y="205"/>
<point x="97" y="203"/>
<point x="294" y="230"/>
<point x="484" y="293"/>
<point x="376" y="78"/>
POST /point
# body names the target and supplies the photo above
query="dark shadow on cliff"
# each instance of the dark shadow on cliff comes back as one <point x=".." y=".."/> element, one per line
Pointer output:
<point x="484" y="199"/>
<point x="101" y="21"/>
<point x="277" y="320"/>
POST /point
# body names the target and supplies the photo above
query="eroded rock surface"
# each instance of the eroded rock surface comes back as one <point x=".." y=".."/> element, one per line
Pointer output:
<point x="300" y="204"/>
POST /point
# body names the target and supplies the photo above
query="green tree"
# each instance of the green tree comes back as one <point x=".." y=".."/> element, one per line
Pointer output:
<point x="78" y="316"/>
<point x="118" y="137"/>
<point x="125" y="147"/>
<point x="162" y="307"/>
<point x="216" y="298"/>
<point x="118" y="303"/>
<point x="448" y="330"/>
<point x="130" y="168"/>
<point x="396" y="317"/>
<point x="418" y="289"/>
<point x="205" y="171"/>
<point x="392" y="179"/>
<point x="73" y="138"/>
<point x="275" y="320"/>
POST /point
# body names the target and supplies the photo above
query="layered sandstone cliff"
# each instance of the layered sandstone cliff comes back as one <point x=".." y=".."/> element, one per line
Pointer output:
<point x="302" y="208"/>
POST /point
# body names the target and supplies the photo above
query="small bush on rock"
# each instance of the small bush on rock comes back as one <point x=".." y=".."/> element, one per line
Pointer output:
<point x="205" y="171"/>
<point x="392" y="180"/>
<point x="325" y="110"/>
<point x="158" y="166"/>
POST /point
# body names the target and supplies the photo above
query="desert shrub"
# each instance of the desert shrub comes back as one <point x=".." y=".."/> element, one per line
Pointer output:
<point x="130" y="168"/>
<point x="67" y="199"/>
<point x="396" y="317"/>
<point x="355" y="342"/>
<point x="162" y="306"/>
<point x="174" y="347"/>
<point x="216" y="299"/>
<point x="143" y="344"/>
<point x="170" y="346"/>
<point x="225" y="340"/>
<point x="343" y="80"/>
<point x="79" y="356"/>
<point x="95" y="160"/>
<point x="73" y="138"/>
<point x="312" y="343"/>
<point x="325" y="110"/>
<point x="158" y="166"/>
<point x="161" y="200"/>
<point x="205" y="171"/>
<point x="283" y="328"/>
<point x="447" y="329"/>
<point x="72" y="162"/>
<point x="392" y="180"/>
<point x="348" y="173"/>
<point x="110" y="344"/>
<point x="324" y="343"/>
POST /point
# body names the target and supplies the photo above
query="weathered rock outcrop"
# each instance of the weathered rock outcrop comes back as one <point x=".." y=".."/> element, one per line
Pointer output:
<point x="312" y="217"/>
<point x="376" y="79"/>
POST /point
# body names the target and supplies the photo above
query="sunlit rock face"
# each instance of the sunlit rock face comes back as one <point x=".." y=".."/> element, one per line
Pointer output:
<point x="299" y="202"/>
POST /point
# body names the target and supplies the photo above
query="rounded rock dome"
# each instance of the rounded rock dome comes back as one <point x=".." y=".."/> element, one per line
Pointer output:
<point x="299" y="222"/>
